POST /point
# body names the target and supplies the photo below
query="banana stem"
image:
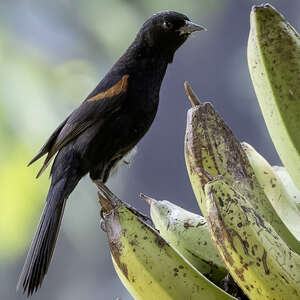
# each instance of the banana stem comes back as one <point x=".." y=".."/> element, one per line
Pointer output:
<point x="148" y="199"/>
<point x="191" y="95"/>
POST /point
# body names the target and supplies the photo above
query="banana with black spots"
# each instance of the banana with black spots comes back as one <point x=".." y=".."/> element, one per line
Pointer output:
<point x="149" y="266"/>
<point x="257" y="258"/>
<point x="188" y="233"/>
<point x="274" y="66"/>
<point x="212" y="150"/>
<point x="275" y="191"/>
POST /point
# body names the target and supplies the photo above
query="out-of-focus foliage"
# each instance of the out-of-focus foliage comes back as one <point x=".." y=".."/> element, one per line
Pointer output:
<point x="19" y="202"/>
<point x="30" y="87"/>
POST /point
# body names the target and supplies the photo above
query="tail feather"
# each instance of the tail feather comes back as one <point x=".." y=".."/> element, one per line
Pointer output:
<point x="42" y="246"/>
<point x="49" y="143"/>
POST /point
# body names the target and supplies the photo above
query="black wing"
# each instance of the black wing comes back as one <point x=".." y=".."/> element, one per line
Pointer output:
<point x="94" y="109"/>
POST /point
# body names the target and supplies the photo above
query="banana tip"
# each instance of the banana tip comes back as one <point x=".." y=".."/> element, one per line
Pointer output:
<point x="191" y="94"/>
<point x="263" y="8"/>
<point x="148" y="199"/>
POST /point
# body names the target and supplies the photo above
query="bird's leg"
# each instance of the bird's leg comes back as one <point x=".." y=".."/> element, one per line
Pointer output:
<point x="107" y="199"/>
<point x="106" y="195"/>
<point x="105" y="190"/>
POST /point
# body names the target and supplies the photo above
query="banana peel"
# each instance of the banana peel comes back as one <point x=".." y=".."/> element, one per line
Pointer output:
<point x="150" y="268"/>
<point x="288" y="184"/>
<point x="212" y="150"/>
<point x="274" y="66"/>
<point x="188" y="233"/>
<point x="257" y="258"/>
<point x="275" y="191"/>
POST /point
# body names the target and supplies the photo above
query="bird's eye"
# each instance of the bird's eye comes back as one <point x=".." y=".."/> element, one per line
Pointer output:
<point x="167" y="25"/>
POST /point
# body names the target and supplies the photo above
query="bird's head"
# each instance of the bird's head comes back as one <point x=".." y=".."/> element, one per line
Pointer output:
<point x="166" y="31"/>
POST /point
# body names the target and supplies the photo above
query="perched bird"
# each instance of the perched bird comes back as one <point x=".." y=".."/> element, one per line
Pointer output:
<point x="106" y="126"/>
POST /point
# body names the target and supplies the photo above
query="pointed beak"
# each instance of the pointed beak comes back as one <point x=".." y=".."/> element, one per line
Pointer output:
<point x="190" y="27"/>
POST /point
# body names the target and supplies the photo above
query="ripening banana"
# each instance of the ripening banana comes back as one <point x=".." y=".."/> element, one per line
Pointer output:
<point x="188" y="233"/>
<point x="285" y="206"/>
<point x="257" y="258"/>
<point x="274" y="66"/>
<point x="125" y="281"/>
<point x="211" y="149"/>
<point x="148" y="266"/>
<point x="288" y="185"/>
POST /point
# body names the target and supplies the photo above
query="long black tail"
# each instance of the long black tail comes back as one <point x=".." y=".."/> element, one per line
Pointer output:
<point x="43" y="243"/>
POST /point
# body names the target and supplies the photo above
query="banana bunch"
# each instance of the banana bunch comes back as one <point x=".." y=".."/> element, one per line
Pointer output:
<point x="252" y="219"/>
<point x="188" y="233"/>
<point x="274" y="66"/>
<point x="147" y="265"/>
<point x="212" y="150"/>
<point x="257" y="258"/>
<point x="275" y="190"/>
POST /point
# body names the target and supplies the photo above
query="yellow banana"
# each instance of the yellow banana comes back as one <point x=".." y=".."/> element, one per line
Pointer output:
<point x="124" y="280"/>
<point x="274" y="66"/>
<point x="288" y="185"/>
<point x="150" y="268"/>
<point x="188" y="233"/>
<point x="285" y="206"/>
<point x="258" y="259"/>
<point x="211" y="149"/>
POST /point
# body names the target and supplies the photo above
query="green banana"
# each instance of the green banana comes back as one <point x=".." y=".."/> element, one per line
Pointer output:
<point x="200" y="164"/>
<point x="283" y="204"/>
<point x="257" y="258"/>
<point x="288" y="184"/>
<point x="188" y="233"/>
<point x="211" y="149"/>
<point x="274" y="66"/>
<point x="148" y="266"/>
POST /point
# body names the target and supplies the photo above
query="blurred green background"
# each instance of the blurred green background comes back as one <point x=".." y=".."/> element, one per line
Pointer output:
<point x="52" y="54"/>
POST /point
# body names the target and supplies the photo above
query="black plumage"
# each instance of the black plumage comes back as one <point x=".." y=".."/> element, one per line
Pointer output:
<point x="107" y="125"/>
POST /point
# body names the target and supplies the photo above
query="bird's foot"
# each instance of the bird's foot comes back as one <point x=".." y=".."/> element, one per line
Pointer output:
<point x="107" y="198"/>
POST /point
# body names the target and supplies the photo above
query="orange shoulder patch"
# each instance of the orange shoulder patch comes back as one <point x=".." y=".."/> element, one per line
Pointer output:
<point x="115" y="90"/>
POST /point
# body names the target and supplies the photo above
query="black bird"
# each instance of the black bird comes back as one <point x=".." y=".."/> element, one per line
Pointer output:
<point x="106" y="126"/>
